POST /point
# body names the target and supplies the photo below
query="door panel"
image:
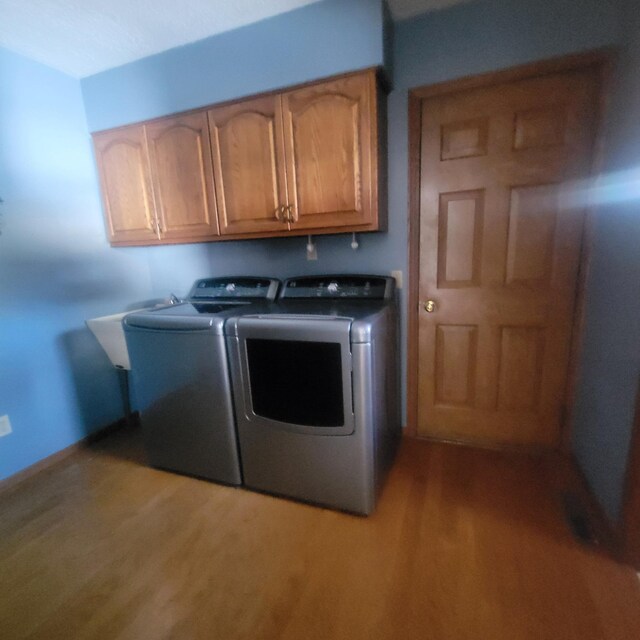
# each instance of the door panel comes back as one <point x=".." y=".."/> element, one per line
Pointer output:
<point x="521" y="359"/>
<point x="126" y="184"/>
<point x="460" y="238"/>
<point x="328" y="143"/>
<point x="500" y="242"/>
<point x="246" y="140"/>
<point x="530" y="243"/>
<point x="540" y="127"/>
<point x="182" y="176"/>
<point x="456" y="354"/>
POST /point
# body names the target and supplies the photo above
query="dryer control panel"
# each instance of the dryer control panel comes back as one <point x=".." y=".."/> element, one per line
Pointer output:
<point x="342" y="287"/>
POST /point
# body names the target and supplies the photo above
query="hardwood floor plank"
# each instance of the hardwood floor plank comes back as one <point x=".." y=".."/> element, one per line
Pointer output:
<point x="464" y="544"/>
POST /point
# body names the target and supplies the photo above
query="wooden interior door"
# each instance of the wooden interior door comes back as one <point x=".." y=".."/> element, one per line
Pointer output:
<point x="121" y="156"/>
<point x="501" y="227"/>
<point x="328" y="130"/>
<point x="248" y="160"/>
<point x="182" y="176"/>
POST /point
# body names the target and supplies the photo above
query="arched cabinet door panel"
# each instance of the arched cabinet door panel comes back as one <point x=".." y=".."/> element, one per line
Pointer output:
<point x="182" y="176"/>
<point x="121" y="156"/>
<point x="330" y="132"/>
<point x="248" y="163"/>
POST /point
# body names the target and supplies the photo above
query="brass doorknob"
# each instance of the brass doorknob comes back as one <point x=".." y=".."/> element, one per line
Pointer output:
<point x="430" y="306"/>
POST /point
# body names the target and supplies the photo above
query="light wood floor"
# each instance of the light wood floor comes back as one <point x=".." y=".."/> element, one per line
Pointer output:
<point x="464" y="545"/>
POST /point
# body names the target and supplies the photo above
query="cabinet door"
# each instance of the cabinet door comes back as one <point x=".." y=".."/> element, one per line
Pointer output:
<point x="123" y="166"/>
<point x="246" y="142"/>
<point x="330" y="132"/>
<point x="182" y="177"/>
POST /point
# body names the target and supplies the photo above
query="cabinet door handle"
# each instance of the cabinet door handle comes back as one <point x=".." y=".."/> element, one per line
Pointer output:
<point x="291" y="215"/>
<point x="158" y="228"/>
<point x="278" y="212"/>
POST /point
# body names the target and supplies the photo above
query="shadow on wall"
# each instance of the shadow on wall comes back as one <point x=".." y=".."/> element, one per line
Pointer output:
<point x="97" y="384"/>
<point x="65" y="270"/>
<point x="63" y="279"/>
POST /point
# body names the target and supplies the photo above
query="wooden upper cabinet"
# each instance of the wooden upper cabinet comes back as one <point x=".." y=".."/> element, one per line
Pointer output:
<point x="302" y="161"/>
<point x="248" y="162"/>
<point x="182" y="176"/>
<point x="330" y="133"/>
<point x="121" y="156"/>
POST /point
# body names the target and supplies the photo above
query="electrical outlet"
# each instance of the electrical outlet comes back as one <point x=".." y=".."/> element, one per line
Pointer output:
<point x="397" y="275"/>
<point x="5" y="426"/>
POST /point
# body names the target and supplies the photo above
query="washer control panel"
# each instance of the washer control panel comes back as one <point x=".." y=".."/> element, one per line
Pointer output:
<point x="232" y="288"/>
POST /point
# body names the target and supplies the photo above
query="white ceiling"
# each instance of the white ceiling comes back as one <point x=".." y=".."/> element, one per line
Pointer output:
<point x="83" y="37"/>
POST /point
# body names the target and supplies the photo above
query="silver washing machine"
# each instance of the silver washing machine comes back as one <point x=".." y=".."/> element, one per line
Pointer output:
<point x="316" y="390"/>
<point x="181" y="378"/>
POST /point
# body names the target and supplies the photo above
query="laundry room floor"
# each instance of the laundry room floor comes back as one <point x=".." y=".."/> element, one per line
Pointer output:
<point x="464" y="544"/>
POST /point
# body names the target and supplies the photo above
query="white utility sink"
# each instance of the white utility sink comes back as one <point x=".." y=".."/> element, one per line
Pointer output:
<point x="110" y="334"/>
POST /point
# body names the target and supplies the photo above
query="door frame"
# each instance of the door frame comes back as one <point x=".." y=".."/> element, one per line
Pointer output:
<point x="628" y="528"/>
<point x="602" y="62"/>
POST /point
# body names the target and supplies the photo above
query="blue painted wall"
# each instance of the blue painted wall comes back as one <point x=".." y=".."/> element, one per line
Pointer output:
<point x="316" y="41"/>
<point x="330" y="37"/>
<point x="470" y="39"/>
<point x="56" y="268"/>
<point x="321" y="39"/>
<point x="463" y="40"/>
<point x="611" y="358"/>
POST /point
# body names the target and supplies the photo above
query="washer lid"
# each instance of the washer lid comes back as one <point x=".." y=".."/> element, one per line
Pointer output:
<point x="187" y="316"/>
<point x="210" y="303"/>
